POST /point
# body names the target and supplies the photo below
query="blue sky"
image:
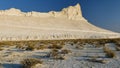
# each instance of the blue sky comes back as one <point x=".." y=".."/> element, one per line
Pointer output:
<point x="102" y="13"/>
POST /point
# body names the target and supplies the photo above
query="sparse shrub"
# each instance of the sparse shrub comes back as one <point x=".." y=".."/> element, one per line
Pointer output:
<point x="23" y="47"/>
<point x="41" y="47"/>
<point x="54" y="53"/>
<point x="109" y="53"/>
<point x="30" y="48"/>
<point x="60" y="58"/>
<point x="55" y="47"/>
<point x="106" y="49"/>
<point x="65" y="51"/>
<point x="79" y="47"/>
<point x="29" y="63"/>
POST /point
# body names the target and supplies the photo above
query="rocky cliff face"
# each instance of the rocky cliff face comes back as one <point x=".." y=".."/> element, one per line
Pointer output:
<point x="72" y="13"/>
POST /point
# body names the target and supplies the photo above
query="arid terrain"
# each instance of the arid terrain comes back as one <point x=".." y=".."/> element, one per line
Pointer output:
<point x="63" y="39"/>
<point x="82" y="53"/>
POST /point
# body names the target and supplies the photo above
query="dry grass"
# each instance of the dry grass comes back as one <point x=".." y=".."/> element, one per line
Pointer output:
<point x="29" y="63"/>
<point x="59" y="54"/>
<point x="65" y="51"/>
<point x="109" y="53"/>
<point x="55" y="54"/>
<point x="31" y="48"/>
<point x="62" y="42"/>
<point x="40" y="47"/>
<point x="58" y="44"/>
<point x="55" y="46"/>
<point x="79" y="47"/>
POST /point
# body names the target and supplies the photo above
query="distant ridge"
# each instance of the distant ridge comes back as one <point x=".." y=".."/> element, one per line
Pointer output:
<point x="72" y="12"/>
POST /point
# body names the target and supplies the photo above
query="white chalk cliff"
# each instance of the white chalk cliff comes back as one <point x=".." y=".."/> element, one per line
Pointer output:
<point x="66" y="24"/>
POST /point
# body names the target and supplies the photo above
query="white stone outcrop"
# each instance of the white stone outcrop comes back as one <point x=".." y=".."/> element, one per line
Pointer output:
<point x="72" y="13"/>
<point x="12" y="11"/>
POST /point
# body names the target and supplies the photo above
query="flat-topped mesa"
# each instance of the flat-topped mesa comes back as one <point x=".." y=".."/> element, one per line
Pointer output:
<point x="72" y="13"/>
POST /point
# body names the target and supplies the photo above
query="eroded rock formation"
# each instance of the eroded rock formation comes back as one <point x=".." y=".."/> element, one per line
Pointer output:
<point x="66" y="24"/>
<point x="72" y="13"/>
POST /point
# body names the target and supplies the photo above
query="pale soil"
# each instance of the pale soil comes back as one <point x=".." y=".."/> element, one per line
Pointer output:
<point x="10" y="57"/>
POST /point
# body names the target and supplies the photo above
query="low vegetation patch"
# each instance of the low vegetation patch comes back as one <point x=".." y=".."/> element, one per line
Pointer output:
<point x="55" y="46"/>
<point x="40" y="47"/>
<point x="109" y="53"/>
<point x="79" y="47"/>
<point x="31" y="48"/>
<point x="55" y="54"/>
<point x="65" y="51"/>
<point x="31" y="62"/>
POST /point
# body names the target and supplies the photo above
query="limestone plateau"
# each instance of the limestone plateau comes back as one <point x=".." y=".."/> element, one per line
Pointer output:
<point x="66" y="24"/>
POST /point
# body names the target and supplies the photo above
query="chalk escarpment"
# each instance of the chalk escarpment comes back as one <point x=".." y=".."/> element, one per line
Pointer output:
<point x="66" y="24"/>
<point x="72" y="12"/>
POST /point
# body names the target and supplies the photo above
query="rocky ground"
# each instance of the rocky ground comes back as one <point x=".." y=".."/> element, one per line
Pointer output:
<point x="88" y="56"/>
<point x="79" y="59"/>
